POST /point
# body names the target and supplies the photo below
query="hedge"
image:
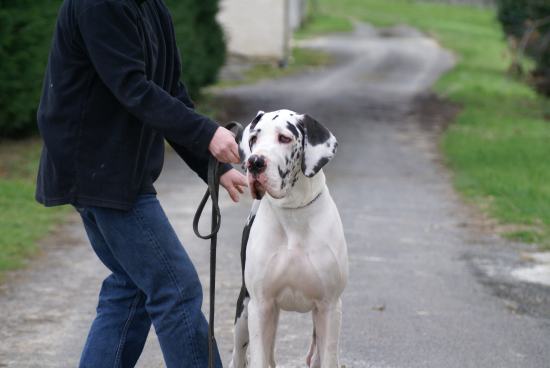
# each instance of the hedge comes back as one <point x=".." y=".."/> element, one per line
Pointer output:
<point x="527" y="22"/>
<point x="26" y="28"/>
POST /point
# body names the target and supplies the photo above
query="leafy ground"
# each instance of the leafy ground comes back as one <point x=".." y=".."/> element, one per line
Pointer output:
<point x="22" y="220"/>
<point x="499" y="144"/>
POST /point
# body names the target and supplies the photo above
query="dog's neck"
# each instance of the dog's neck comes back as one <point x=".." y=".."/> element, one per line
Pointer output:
<point x="305" y="191"/>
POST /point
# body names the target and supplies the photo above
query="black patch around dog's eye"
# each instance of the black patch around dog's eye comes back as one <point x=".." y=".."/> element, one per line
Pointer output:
<point x="292" y="129"/>
<point x="256" y="120"/>
<point x="315" y="132"/>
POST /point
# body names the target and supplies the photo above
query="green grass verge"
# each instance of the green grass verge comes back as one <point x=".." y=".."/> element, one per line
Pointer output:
<point x="302" y="59"/>
<point x="499" y="145"/>
<point x="22" y="220"/>
<point x="323" y="23"/>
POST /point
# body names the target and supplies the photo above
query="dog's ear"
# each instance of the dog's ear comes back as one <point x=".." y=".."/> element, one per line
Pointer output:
<point x="319" y="146"/>
<point x="244" y="144"/>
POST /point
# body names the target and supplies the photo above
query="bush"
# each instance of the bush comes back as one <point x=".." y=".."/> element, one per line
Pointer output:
<point x="26" y="28"/>
<point x="527" y="23"/>
<point x="512" y="14"/>
<point x="200" y="40"/>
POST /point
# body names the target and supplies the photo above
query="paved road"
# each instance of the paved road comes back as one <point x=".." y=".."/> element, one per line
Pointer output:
<point x="428" y="287"/>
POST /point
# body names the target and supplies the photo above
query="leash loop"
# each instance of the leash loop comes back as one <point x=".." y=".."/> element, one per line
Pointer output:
<point x="212" y="192"/>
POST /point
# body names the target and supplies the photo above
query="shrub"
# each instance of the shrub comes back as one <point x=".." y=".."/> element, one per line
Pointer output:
<point x="527" y="23"/>
<point x="512" y="14"/>
<point x="200" y="40"/>
<point x="26" y="28"/>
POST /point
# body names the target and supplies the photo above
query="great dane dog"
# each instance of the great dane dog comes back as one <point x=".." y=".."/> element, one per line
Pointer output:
<point x="296" y="255"/>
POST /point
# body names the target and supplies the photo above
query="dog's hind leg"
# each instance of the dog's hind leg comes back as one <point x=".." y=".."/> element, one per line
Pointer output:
<point x="241" y="337"/>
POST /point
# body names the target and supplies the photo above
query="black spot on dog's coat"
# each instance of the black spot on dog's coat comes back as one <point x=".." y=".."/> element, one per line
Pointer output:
<point x="256" y="120"/>
<point x="322" y="162"/>
<point x="283" y="174"/>
<point x="315" y="132"/>
<point x="243" y="295"/>
<point x="276" y="116"/>
<point x="250" y="220"/>
<point x="292" y="129"/>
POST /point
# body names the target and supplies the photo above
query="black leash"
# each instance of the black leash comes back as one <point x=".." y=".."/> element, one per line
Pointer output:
<point x="213" y="191"/>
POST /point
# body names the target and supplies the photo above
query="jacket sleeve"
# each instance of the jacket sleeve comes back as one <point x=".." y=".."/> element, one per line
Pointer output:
<point x="182" y="95"/>
<point x="198" y="164"/>
<point x="112" y="40"/>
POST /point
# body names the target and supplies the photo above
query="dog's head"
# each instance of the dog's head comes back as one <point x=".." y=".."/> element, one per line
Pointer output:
<point x="277" y="147"/>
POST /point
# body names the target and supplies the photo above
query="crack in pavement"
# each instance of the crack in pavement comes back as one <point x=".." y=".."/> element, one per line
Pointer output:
<point x="424" y="290"/>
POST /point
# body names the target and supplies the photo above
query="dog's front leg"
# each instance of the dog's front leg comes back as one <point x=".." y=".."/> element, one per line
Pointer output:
<point x="241" y="338"/>
<point x="262" y="323"/>
<point x="328" y="319"/>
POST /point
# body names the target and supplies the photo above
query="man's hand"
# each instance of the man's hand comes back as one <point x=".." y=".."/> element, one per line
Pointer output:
<point x="234" y="182"/>
<point x="223" y="147"/>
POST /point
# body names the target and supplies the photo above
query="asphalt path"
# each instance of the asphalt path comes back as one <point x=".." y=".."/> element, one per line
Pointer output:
<point x="428" y="286"/>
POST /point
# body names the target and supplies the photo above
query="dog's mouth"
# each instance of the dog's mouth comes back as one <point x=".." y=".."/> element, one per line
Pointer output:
<point x="256" y="184"/>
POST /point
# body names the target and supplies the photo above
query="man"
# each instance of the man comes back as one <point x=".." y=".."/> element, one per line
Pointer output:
<point x="111" y="97"/>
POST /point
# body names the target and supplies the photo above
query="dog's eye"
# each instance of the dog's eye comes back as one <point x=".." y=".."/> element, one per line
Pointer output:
<point x="284" y="139"/>
<point x="252" y="141"/>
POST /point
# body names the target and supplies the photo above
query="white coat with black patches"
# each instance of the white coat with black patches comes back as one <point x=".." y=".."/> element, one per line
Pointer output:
<point x="296" y="256"/>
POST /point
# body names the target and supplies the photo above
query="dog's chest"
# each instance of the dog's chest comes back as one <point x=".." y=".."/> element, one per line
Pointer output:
<point x="292" y="280"/>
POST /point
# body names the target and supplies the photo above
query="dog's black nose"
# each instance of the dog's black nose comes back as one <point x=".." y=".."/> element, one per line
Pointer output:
<point x="256" y="164"/>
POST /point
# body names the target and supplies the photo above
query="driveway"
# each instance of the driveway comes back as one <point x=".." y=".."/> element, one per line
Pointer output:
<point x="429" y="286"/>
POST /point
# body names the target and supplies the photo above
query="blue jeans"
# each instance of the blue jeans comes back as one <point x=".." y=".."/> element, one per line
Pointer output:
<point x="152" y="280"/>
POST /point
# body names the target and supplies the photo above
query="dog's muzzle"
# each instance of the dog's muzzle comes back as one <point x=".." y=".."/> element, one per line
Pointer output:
<point x="256" y="164"/>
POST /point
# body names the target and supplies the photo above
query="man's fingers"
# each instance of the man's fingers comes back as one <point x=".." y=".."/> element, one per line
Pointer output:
<point x="229" y="155"/>
<point x="240" y="188"/>
<point x="224" y="147"/>
<point x="242" y="181"/>
<point x="234" y="182"/>
<point x="233" y="194"/>
<point x="235" y="153"/>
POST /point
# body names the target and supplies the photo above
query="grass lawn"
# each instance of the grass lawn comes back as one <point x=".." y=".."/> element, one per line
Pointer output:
<point x="300" y="60"/>
<point x="499" y="145"/>
<point x="22" y="220"/>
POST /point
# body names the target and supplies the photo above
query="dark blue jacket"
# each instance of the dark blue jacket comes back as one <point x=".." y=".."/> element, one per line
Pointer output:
<point x="112" y="95"/>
